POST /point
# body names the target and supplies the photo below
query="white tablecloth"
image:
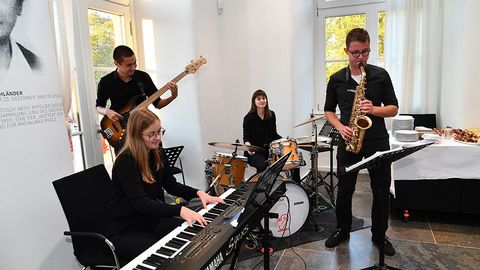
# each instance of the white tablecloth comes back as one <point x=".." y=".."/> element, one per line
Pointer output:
<point x="443" y="160"/>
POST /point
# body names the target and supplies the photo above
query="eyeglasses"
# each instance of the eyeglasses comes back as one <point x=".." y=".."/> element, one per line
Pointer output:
<point x="154" y="134"/>
<point x="356" y="54"/>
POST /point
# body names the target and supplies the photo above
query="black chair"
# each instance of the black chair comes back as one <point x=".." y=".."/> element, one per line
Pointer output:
<point x="84" y="197"/>
<point x="428" y="120"/>
<point x="173" y="154"/>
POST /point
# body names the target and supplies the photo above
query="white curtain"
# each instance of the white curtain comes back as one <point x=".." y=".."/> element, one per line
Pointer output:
<point x="61" y="16"/>
<point x="413" y="49"/>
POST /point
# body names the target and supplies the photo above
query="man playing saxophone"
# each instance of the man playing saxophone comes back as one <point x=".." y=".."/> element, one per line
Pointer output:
<point x="364" y="101"/>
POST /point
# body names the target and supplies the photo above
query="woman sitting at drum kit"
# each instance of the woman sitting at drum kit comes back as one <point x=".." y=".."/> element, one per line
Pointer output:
<point x="260" y="129"/>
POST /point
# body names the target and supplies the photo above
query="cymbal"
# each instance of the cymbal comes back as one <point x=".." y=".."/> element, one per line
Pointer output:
<point x="237" y="146"/>
<point x="311" y="139"/>
<point x="312" y="119"/>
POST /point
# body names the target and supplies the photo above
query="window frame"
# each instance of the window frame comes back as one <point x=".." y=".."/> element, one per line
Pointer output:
<point x="338" y="8"/>
<point x="92" y="150"/>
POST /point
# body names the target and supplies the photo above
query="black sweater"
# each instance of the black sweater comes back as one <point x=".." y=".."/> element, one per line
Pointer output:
<point x="133" y="200"/>
<point x="260" y="132"/>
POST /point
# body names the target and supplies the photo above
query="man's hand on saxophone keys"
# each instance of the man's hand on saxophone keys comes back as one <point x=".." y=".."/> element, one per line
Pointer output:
<point x="366" y="106"/>
<point x="346" y="132"/>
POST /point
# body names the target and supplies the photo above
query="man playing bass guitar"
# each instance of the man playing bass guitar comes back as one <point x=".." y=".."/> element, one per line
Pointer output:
<point x="123" y="84"/>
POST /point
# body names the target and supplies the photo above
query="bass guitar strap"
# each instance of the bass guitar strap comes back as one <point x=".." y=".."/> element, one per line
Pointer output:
<point x="140" y="86"/>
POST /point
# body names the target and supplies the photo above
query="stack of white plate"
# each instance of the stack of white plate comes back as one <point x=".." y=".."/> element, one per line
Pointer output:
<point x="429" y="137"/>
<point x="406" y="135"/>
<point x="402" y="122"/>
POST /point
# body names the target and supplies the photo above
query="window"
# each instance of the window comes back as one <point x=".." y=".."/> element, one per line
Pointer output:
<point x="103" y="25"/>
<point x="106" y="32"/>
<point x="335" y="19"/>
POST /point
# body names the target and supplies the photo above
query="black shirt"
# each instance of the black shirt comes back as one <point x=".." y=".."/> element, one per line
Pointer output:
<point x="260" y="132"/>
<point x="132" y="200"/>
<point x="120" y="92"/>
<point x="379" y="90"/>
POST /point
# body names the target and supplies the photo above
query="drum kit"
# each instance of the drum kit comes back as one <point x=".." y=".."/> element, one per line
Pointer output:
<point x="228" y="170"/>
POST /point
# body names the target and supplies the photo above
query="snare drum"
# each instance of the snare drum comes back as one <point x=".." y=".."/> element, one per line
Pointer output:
<point x="236" y="168"/>
<point x="281" y="147"/>
<point x="290" y="222"/>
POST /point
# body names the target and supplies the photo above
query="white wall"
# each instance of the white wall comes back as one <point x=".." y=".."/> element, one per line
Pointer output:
<point x="251" y="45"/>
<point x="459" y="89"/>
<point x="32" y="155"/>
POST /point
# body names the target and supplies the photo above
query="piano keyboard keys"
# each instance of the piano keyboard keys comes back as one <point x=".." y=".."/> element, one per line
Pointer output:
<point x="173" y="243"/>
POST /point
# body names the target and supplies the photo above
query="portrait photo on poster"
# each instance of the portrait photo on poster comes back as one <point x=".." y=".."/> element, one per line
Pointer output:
<point x="14" y="55"/>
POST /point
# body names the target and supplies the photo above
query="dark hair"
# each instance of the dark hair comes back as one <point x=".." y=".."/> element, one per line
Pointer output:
<point x="357" y="34"/>
<point x="19" y="7"/>
<point x="120" y="52"/>
<point x="253" y="107"/>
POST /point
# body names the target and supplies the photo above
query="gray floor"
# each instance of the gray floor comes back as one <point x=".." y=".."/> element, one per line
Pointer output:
<point x="426" y="241"/>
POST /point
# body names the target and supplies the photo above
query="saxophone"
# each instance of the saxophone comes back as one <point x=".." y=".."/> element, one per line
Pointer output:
<point x="358" y="122"/>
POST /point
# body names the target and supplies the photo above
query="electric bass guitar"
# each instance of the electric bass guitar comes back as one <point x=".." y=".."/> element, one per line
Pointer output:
<point x="114" y="131"/>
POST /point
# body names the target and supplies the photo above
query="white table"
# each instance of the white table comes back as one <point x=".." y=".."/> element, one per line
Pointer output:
<point x="446" y="160"/>
<point x="443" y="160"/>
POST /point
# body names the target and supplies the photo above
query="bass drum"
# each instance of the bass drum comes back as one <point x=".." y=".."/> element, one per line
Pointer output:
<point x="289" y="223"/>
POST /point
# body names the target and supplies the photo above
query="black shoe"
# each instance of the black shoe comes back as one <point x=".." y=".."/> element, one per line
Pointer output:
<point x="336" y="238"/>
<point x="388" y="247"/>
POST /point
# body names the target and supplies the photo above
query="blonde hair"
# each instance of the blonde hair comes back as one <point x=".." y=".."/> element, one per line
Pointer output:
<point x="138" y="122"/>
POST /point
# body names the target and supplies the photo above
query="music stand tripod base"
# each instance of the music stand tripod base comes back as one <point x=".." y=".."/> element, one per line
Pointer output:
<point x="378" y="267"/>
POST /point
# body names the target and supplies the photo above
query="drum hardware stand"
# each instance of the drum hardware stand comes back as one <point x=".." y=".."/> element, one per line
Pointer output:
<point x="330" y="187"/>
<point x="228" y="171"/>
<point x="315" y="176"/>
<point x="328" y="130"/>
<point x="209" y="173"/>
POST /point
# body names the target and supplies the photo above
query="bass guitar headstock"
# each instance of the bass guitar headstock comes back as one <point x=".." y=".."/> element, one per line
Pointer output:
<point x="195" y="65"/>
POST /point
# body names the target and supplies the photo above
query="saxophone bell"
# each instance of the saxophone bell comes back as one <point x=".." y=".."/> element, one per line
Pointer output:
<point x="363" y="122"/>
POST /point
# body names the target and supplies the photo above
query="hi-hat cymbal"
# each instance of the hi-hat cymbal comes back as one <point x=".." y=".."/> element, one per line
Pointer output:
<point x="237" y="146"/>
<point x="311" y="139"/>
<point x="312" y="119"/>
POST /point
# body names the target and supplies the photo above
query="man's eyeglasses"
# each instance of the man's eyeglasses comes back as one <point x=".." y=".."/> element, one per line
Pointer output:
<point x="356" y="54"/>
<point x="154" y="134"/>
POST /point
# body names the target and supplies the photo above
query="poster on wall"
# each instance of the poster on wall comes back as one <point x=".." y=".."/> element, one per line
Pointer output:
<point x="31" y="110"/>
<point x="34" y="148"/>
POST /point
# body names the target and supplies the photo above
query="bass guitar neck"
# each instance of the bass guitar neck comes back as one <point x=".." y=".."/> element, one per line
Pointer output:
<point x="114" y="131"/>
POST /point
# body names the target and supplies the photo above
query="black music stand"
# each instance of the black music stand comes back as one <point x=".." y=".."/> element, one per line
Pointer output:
<point x="329" y="131"/>
<point x="375" y="160"/>
<point x="172" y="154"/>
<point x="264" y="195"/>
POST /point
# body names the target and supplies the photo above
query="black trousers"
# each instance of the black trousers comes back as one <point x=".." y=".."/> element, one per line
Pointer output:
<point x="259" y="161"/>
<point x="132" y="242"/>
<point x="380" y="178"/>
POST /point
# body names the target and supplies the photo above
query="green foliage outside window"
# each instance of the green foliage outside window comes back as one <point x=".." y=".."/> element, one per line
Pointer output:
<point x="102" y="41"/>
<point x="335" y="34"/>
<point x="381" y="33"/>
